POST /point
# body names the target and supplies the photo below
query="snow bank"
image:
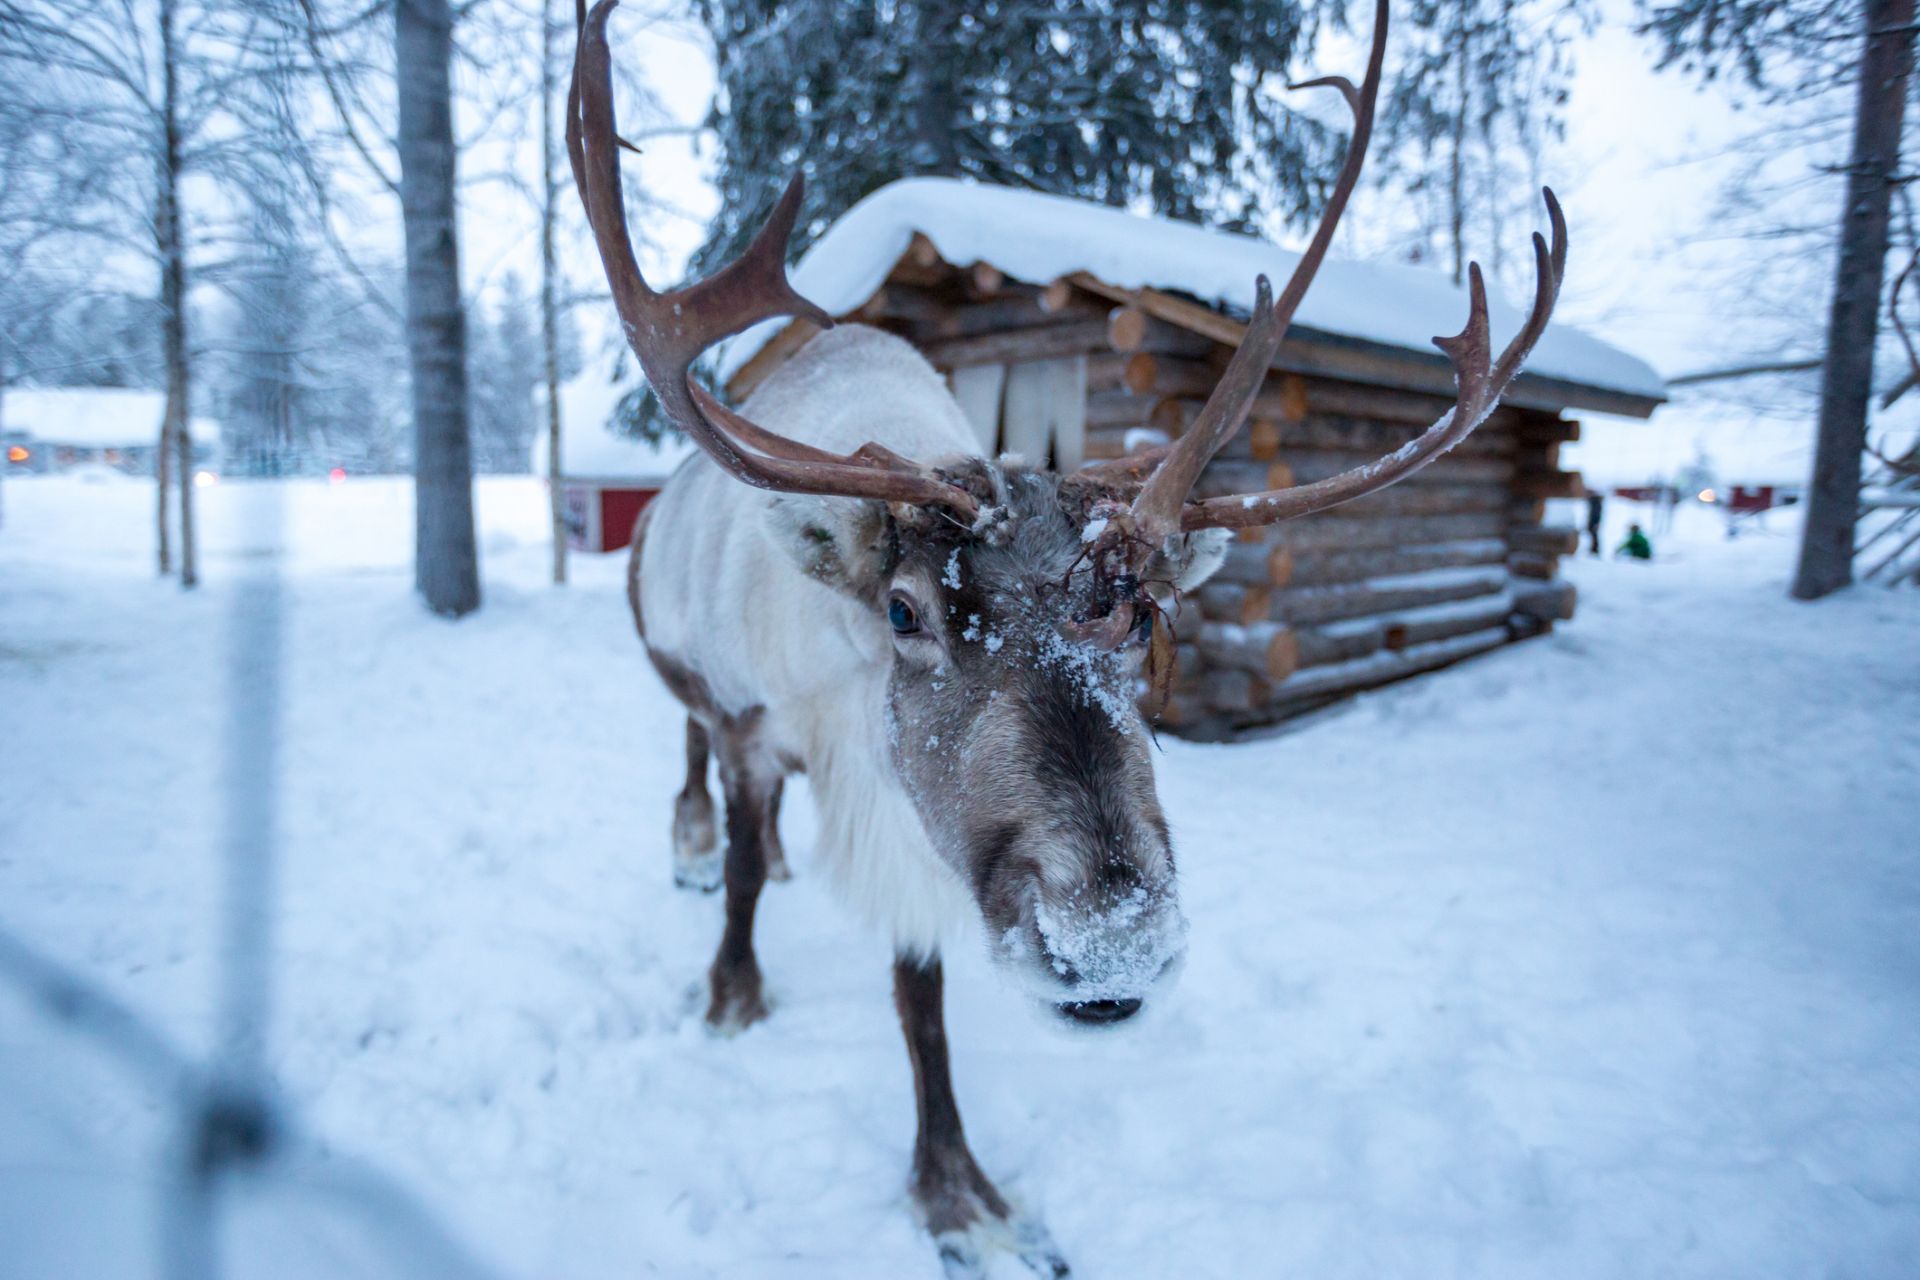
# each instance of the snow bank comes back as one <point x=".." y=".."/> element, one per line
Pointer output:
<point x="1592" y="958"/>
<point x="1040" y="238"/>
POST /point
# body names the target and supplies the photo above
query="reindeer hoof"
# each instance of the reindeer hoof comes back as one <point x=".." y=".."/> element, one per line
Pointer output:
<point x="737" y="1001"/>
<point x="964" y="1254"/>
<point x="697" y="862"/>
<point x="702" y="872"/>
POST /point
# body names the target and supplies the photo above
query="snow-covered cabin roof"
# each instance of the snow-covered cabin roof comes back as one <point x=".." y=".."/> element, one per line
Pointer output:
<point x="589" y="447"/>
<point x="93" y="417"/>
<point x="1040" y="238"/>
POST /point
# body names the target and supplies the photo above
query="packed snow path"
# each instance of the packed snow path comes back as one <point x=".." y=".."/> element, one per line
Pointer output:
<point x="1598" y="956"/>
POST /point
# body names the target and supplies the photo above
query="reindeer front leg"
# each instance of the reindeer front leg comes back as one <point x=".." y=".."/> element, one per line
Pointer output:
<point x="965" y="1212"/>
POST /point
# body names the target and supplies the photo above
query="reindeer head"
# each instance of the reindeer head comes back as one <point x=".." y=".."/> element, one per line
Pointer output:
<point x="1018" y="606"/>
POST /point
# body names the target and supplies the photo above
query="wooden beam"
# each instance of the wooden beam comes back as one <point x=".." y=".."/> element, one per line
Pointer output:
<point x="1549" y="484"/>
<point x="1544" y="540"/>
<point x="1546" y="601"/>
<point x="770" y="357"/>
<point x="1323" y="533"/>
<point x="1315" y="685"/>
<point x="1013" y="346"/>
<point x="1233" y="602"/>
<point x="1313" y="351"/>
<point x="1353" y="564"/>
<point x="1305" y="605"/>
<point x="1257" y="564"/>
<point x="1265" y="649"/>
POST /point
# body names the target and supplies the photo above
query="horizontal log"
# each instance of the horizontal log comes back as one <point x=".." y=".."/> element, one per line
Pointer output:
<point x="1371" y="436"/>
<point x="1411" y="627"/>
<point x="1017" y="346"/>
<point x="1235" y="602"/>
<point x="1339" y="642"/>
<point x="1351" y="564"/>
<point x="1224" y="689"/>
<point x="1303" y="605"/>
<point x="1056" y="295"/>
<point x="1311" y="685"/>
<point x="1545" y="601"/>
<point x="1451" y="468"/>
<point x="1549" y="484"/>
<point x="1523" y="564"/>
<point x="1147" y="373"/>
<point x="1257" y="564"/>
<point x="1265" y="649"/>
<point x="1353" y="638"/>
<point x="930" y="316"/>
<point x="1326" y="532"/>
<point x="1548" y="430"/>
<point x="1224" y="477"/>
<point x="1436" y="497"/>
<point x="1379" y="404"/>
<point x="1544" y="540"/>
<point x="1129" y="329"/>
<point x="1526" y="511"/>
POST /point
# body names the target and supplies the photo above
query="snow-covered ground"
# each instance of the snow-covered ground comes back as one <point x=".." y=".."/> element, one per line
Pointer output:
<point x="1598" y="956"/>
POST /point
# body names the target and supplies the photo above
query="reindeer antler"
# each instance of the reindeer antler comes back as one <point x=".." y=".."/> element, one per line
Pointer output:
<point x="1161" y="509"/>
<point x="1479" y="381"/>
<point x="668" y="331"/>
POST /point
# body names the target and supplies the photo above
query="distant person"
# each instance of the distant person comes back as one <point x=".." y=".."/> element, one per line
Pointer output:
<point x="1636" y="547"/>
<point x="1596" y="504"/>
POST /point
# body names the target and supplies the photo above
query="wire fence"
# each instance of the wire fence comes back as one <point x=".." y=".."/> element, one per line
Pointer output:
<point x="228" y="1119"/>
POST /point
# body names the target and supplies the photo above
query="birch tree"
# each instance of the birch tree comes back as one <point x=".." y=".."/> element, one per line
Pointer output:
<point x="145" y="101"/>
<point x="446" y="560"/>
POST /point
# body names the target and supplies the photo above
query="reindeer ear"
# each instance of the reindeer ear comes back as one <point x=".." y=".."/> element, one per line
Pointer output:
<point x="843" y="543"/>
<point x="1195" y="559"/>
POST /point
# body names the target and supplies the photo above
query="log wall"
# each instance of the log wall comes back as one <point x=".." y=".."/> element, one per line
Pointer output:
<point x="1451" y="562"/>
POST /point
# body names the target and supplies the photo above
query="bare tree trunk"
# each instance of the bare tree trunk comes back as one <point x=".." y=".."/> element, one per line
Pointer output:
<point x="549" y="308"/>
<point x="163" y="481"/>
<point x="446" y="561"/>
<point x="1457" y="161"/>
<point x="173" y="305"/>
<point x="1846" y="382"/>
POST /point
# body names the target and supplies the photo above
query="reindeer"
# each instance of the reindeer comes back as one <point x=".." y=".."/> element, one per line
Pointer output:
<point x="947" y="645"/>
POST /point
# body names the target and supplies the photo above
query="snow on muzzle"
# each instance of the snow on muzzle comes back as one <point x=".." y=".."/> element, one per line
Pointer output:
<point x="1096" y="964"/>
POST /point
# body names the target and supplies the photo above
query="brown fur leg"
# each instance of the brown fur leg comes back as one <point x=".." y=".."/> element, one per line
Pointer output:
<point x="776" y="854"/>
<point x="965" y="1212"/>
<point x="696" y="858"/>
<point x="734" y="979"/>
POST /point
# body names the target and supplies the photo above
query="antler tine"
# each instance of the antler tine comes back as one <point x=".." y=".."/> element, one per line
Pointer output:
<point x="668" y="331"/>
<point x="1480" y="380"/>
<point x="1156" y="512"/>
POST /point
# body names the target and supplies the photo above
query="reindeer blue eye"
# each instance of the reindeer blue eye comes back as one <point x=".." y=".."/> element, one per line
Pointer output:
<point x="905" y="621"/>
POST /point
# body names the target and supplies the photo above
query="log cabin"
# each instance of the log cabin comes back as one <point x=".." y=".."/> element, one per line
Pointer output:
<point x="1071" y="332"/>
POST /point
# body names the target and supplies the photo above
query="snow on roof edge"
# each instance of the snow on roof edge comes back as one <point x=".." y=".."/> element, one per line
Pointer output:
<point x="1038" y="238"/>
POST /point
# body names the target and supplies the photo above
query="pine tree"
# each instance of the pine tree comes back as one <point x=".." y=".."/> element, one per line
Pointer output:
<point x="1175" y="105"/>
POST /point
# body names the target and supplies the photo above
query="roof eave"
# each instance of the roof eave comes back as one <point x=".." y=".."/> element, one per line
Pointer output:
<point x="1320" y="353"/>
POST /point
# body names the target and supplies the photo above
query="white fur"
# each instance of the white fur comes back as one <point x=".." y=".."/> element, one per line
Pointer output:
<point x="722" y="592"/>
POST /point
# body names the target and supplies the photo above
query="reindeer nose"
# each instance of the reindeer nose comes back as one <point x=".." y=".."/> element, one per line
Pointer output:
<point x="1098" y="1012"/>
